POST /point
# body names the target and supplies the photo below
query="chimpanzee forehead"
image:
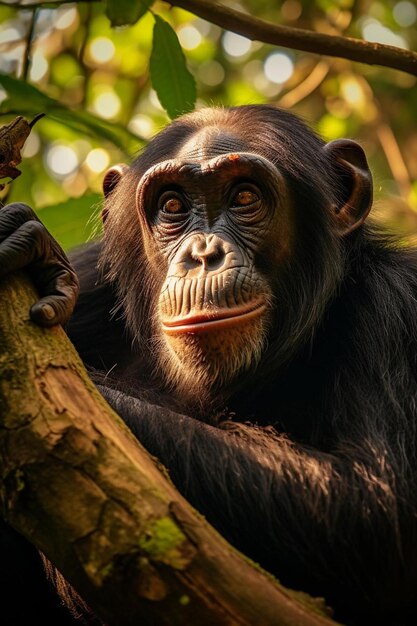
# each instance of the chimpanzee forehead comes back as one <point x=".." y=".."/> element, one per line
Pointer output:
<point x="210" y="142"/>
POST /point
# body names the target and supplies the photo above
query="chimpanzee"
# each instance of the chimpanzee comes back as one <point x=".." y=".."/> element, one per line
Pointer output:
<point x="261" y="340"/>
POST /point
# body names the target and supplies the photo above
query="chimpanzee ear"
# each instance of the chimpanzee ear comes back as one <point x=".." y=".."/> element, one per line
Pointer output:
<point x="112" y="177"/>
<point x="110" y="180"/>
<point x="355" y="182"/>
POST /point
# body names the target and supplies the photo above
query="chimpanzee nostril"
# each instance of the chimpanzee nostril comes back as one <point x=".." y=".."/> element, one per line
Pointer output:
<point x="213" y="260"/>
<point x="208" y="252"/>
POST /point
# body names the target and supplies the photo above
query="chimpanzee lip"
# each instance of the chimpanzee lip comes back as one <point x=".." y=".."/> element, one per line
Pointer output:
<point x="216" y="319"/>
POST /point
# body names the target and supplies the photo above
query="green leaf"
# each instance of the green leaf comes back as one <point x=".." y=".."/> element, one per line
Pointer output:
<point x="73" y="222"/>
<point x="25" y="99"/>
<point x="172" y="81"/>
<point x="121" y="12"/>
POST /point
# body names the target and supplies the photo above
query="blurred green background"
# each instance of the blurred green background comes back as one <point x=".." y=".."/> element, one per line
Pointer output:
<point x="93" y="82"/>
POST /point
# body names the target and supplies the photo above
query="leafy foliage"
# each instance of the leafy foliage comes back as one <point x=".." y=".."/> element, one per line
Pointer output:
<point x="26" y="99"/>
<point x="105" y="90"/>
<point x="73" y="222"/>
<point x="171" y="79"/>
<point x="122" y="12"/>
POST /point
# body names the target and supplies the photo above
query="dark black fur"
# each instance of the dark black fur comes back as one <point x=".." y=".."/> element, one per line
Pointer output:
<point x="308" y="464"/>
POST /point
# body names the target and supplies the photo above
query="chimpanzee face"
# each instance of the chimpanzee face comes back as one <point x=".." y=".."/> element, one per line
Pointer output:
<point x="232" y="254"/>
<point x="207" y="215"/>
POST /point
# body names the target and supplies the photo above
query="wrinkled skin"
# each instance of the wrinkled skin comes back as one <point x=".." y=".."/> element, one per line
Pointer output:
<point x="206" y="222"/>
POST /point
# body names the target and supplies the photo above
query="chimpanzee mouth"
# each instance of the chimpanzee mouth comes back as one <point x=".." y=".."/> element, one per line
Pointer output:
<point x="214" y="320"/>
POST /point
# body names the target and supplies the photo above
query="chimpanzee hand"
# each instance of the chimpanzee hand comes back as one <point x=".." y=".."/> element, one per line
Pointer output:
<point x="25" y="243"/>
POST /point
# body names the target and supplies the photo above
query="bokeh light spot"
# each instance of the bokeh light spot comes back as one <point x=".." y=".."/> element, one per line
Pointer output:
<point x="211" y="73"/>
<point x="32" y="145"/>
<point x="61" y="160"/>
<point x="331" y="127"/>
<point x="278" y="67"/>
<point x="38" y="67"/>
<point x="189" y="37"/>
<point x="142" y="125"/>
<point x="291" y="10"/>
<point x="107" y="104"/>
<point x="236" y="45"/>
<point x="97" y="160"/>
<point x="9" y="34"/>
<point x="102" y="49"/>
<point x="372" y="30"/>
<point x="405" y="14"/>
<point x="352" y="92"/>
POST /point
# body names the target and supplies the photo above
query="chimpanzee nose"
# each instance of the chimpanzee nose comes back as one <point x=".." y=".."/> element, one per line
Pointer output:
<point x="206" y="250"/>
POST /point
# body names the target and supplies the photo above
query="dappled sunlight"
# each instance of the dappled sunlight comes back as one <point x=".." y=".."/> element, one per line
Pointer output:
<point x="77" y="59"/>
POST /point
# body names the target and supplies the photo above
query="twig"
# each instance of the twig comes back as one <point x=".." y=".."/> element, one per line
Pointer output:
<point x="306" y="87"/>
<point x="394" y="157"/>
<point x="27" y="57"/>
<point x="301" y="39"/>
<point x="81" y="54"/>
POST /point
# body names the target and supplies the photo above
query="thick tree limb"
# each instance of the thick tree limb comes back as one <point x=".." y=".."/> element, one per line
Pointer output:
<point x="301" y="39"/>
<point x="78" y="485"/>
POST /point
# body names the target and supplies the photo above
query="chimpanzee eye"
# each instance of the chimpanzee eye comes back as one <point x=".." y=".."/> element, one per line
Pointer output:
<point x="173" y="205"/>
<point x="245" y="197"/>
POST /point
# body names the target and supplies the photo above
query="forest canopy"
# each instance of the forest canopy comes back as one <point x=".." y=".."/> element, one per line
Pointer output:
<point x="99" y="85"/>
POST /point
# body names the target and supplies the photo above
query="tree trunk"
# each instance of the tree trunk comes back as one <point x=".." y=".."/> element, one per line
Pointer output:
<point x="78" y="485"/>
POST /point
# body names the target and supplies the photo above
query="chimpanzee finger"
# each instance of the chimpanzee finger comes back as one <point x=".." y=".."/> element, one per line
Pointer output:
<point x="59" y="287"/>
<point x="32" y="247"/>
<point x="12" y="216"/>
<point x="23" y="246"/>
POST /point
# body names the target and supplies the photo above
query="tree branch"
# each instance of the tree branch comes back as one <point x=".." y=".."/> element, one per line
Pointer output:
<point x="301" y="39"/>
<point x="27" y="58"/>
<point x="254" y="28"/>
<point x="78" y="485"/>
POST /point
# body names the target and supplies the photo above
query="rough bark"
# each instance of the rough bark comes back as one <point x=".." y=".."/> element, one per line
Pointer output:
<point x="78" y="485"/>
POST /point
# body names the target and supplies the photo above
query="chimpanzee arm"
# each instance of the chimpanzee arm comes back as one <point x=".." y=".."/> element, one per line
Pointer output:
<point x="322" y="519"/>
